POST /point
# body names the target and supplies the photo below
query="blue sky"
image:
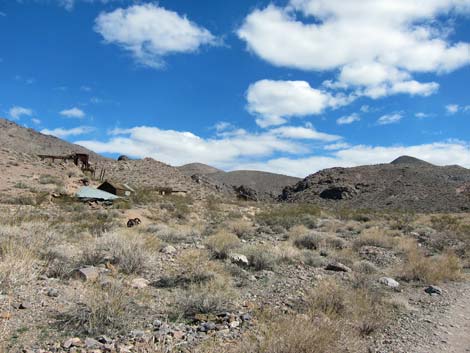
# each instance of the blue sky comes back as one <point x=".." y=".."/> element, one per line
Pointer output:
<point x="288" y="86"/>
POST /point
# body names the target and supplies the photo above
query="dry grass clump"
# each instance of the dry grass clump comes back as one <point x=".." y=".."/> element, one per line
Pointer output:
<point x="222" y="243"/>
<point x="211" y="297"/>
<point x="290" y="215"/>
<point x="241" y="228"/>
<point x="429" y="269"/>
<point x="312" y="259"/>
<point x="317" y="241"/>
<point x="129" y="253"/>
<point x="374" y="236"/>
<point x="296" y="334"/>
<point x="365" y="267"/>
<point x="174" y="234"/>
<point x="18" y="265"/>
<point x="360" y="306"/>
<point x="261" y="257"/>
<point x="101" y="310"/>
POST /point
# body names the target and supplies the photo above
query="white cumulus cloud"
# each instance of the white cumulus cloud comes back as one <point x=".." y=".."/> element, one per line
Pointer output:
<point x="73" y="113"/>
<point x="376" y="46"/>
<point x="273" y="102"/>
<point x="151" y="32"/>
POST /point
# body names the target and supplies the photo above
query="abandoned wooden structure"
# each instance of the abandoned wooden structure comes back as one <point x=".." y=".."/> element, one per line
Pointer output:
<point x="116" y="188"/>
<point x="79" y="159"/>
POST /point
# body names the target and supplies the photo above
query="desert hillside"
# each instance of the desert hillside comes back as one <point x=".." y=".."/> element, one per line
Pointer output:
<point x="406" y="183"/>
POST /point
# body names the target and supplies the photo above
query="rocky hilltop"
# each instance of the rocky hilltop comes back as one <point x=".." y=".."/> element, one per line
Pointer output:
<point x="406" y="183"/>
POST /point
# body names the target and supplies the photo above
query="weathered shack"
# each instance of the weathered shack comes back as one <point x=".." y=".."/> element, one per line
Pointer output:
<point x="116" y="188"/>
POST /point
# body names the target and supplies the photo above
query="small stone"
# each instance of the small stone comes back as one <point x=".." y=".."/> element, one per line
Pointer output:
<point x="105" y="340"/>
<point x="53" y="293"/>
<point x="337" y="267"/>
<point x="234" y="324"/>
<point x="246" y="317"/>
<point x="139" y="283"/>
<point x="179" y="335"/>
<point x="91" y="343"/>
<point x="24" y="305"/>
<point x="72" y="342"/>
<point x="239" y="259"/>
<point x="87" y="274"/>
<point x="389" y="282"/>
<point x="169" y="249"/>
<point x="137" y="333"/>
<point x="434" y="290"/>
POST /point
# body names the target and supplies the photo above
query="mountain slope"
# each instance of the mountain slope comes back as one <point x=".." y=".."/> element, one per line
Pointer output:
<point x="267" y="185"/>
<point x="417" y="186"/>
<point x="198" y="168"/>
<point x="30" y="141"/>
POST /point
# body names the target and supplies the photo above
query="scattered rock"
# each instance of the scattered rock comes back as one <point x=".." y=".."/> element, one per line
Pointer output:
<point x="434" y="290"/>
<point x="53" y="293"/>
<point x="91" y="343"/>
<point x="72" y="342"/>
<point x="389" y="282"/>
<point x="337" y="267"/>
<point x="169" y="249"/>
<point x="87" y="274"/>
<point x="239" y="259"/>
<point x="139" y="283"/>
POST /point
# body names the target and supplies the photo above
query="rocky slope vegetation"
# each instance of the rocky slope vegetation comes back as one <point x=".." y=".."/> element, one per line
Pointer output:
<point x="406" y="183"/>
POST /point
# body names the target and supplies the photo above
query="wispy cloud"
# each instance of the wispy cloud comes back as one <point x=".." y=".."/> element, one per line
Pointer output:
<point x="17" y="112"/>
<point x="73" y="113"/>
<point x="63" y="132"/>
<point x="389" y="119"/>
<point x="349" y="119"/>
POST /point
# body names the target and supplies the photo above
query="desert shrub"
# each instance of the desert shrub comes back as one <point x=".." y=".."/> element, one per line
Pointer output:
<point x="308" y="241"/>
<point x="364" y="307"/>
<point x="130" y="253"/>
<point x="287" y="253"/>
<point x="102" y="310"/>
<point x="374" y="237"/>
<point x="261" y="257"/>
<point x="21" y="185"/>
<point x="18" y="264"/>
<point x="242" y="229"/>
<point x="58" y="263"/>
<point x="445" y="222"/>
<point x="297" y="231"/>
<point x="429" y="269"/>
<point x="173" y="235"/>
<point x="211" y="297"/>
<point x="296" y="334"/>
<point x="365" y="267"/>
<point x="50" y="179"/>
<point x="402" y="221"/>
<point x="222" y="243"/>
<point x="290" y="215"/>
<point x="359" y="215"/>
<point x="315" y="241"/>
<point x="312" y="259"/>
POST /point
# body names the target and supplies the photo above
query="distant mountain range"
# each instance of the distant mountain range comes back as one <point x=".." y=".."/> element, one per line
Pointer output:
<point x="406" y="183"/>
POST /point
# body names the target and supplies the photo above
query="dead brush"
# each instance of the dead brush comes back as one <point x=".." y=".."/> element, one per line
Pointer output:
<point x="211" y="297"/>
<point x="374" y="236"/>
<point x="101" y="310"/>
<point x="297" y="333"/>
<point x="429" y="269"/>
<point x="222" y="243"/>
<point x="360" y="305"/>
